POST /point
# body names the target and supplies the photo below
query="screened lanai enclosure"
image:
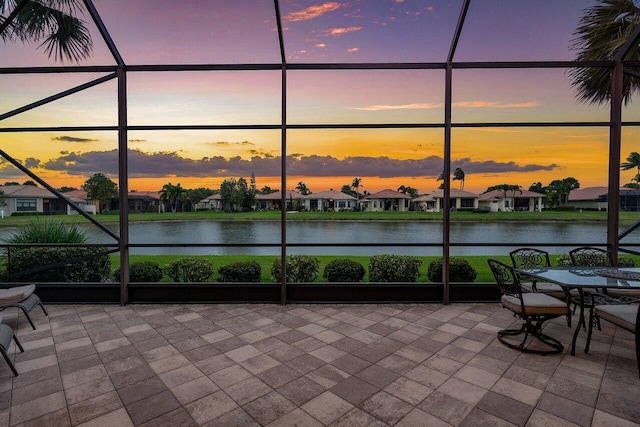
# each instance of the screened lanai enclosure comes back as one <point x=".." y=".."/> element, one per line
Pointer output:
<point x="202" y="134"/>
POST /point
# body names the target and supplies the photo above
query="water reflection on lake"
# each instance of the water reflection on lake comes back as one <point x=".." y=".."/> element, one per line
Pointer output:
<point x="340" y="232"/>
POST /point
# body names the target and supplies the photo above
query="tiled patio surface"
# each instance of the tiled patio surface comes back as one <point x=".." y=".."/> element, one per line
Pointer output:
<point x="307" y="365"/>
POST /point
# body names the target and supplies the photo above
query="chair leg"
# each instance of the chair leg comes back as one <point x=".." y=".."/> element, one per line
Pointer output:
<point x="528" y="328"/>
<point x="15" y="339"/>
<point x="44" y="310"/>
<point x="26" y="314"/>
<point x="569" y="314"/>
<point x="592" y="319"/>
<point x="8" y="360"/>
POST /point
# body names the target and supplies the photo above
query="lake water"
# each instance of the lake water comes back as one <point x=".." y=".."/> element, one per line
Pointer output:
<point x="364" y="233"/>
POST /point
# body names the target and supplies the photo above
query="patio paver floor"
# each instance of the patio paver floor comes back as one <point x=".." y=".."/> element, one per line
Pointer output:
<point x="307" y="365"/>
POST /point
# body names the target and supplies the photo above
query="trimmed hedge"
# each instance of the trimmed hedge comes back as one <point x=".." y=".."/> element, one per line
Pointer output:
<point x="459" y="270"/>
<point x="249" y="271"/>
<point x="394" y="268"/>
<point x="343" y="270"/>
<point x="300" y="269"/>
<point x="143" y="271"/>
<point x="189" y="270"/>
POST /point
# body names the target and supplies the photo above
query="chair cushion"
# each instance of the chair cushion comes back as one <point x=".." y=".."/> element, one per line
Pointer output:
<point x="623" y="315"/>
<point x="17" y="294"/>
<point x="552" y="289"/>
<point x="613" y="292"/>
<point x="535" y="303"/>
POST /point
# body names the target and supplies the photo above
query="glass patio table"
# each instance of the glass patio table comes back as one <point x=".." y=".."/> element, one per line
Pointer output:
<point x="588" y="279"/>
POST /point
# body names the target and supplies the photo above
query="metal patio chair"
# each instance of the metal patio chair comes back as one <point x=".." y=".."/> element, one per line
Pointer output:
<point x="22" y="297"/>
<point x="596" y="257"/>
<point x="537" y="258"/>
<point x="534" y="308"/>
<point x="588" y="256"/>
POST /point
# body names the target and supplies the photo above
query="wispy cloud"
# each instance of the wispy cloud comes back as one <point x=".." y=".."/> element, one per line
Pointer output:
<point x="312" y="12"/>
<point x="67" y="138"/>
<point x="321" y="45"/>
<point x="461" y="104"/>
<point x="340" y="31"/>
<point x="353" y="49"/>
<point x="228" y="143"/>
<point x="494" y="104"/>
<point x="414" y="106"/>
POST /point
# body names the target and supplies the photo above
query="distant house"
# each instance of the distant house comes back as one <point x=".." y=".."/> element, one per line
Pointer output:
<point x="213" y="202"/>
<point x="591" y="198"/>
<point x="498" y="201"/>
<point x="434" y="202"/>
<point x="145" y="201"/>
<point x="387" y="200"/>
<point x="272" y="201"/>
<point x="596" y="198"/>
<point x="329" y="200"/>
<point x="81" y="199"/>
<point x="140" y="202"/>
<point x="629" y="200"/>
<point x="29" y="198"/>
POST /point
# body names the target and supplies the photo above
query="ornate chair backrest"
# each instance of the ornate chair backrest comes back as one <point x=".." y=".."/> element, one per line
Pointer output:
<point x="506" y="278"/>
<point x="587" y="256"/>
<point x="530" y="258"/>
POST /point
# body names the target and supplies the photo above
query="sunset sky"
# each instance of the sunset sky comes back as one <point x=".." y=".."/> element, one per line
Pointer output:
<point x="243" y="32"/>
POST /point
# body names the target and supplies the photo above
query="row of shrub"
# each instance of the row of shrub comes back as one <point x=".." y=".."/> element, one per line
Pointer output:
<point x="79" y="264"/>
<point x="192" y="270"/>
<point x="300" y="269"/>
<point x="382" y="268"/>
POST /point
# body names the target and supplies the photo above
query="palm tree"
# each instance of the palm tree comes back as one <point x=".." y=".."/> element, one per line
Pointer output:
<point x="408" y="190"/>
<point x="561" y="188"/>
<point x="633" y="161"/>
<point x="172" y="194"/>
<point x="458" y="175"/>
<point x="537" y="187"/>
<point x="441" y="178"/>
<point x="356" y="184"/>
<point x="53" y="23"/>
<point x="302" y="188"/>
<point x="603" y="30"/>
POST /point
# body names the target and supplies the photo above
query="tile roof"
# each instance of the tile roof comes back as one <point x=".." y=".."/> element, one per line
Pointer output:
<point x="277" y="195"/>
<point x="589" y="193"/>
<point x="454" y="194"/>
<point x="330" y="194"/>
<point x="388" y="194"/>
<point x="499" y="194"/>
<point x="26" y="191"/>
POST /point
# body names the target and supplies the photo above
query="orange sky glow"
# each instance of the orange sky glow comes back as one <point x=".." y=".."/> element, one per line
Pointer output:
<point x="316" y="32"/>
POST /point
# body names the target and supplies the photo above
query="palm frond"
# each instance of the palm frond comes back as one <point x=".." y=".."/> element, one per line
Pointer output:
<point x="54" y="22"/>
<point x="603" y="30"/>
